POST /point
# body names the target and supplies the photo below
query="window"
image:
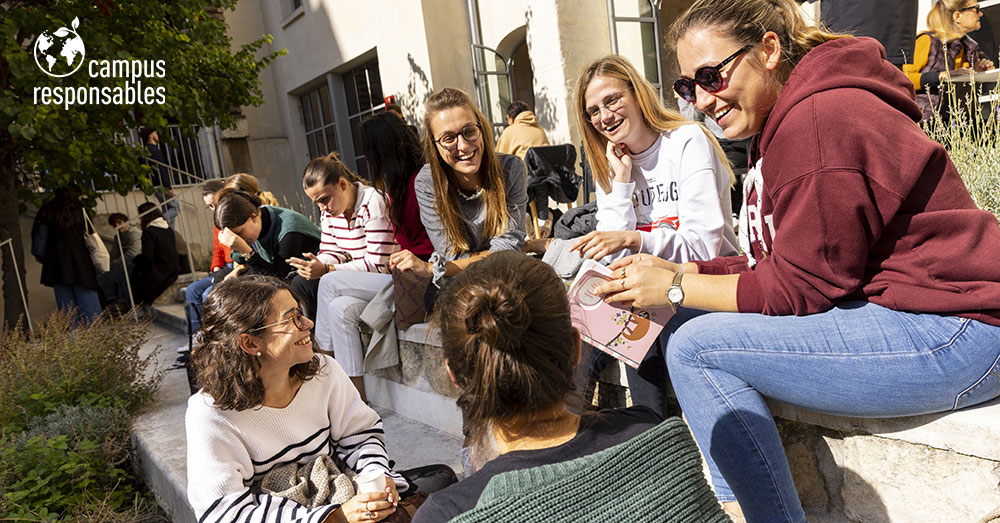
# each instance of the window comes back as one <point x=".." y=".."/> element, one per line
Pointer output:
<point x="635" y="30"/>
<point x="296" y="4"/>
<point x="363" y="88"/>
<point x="317" y="118"/>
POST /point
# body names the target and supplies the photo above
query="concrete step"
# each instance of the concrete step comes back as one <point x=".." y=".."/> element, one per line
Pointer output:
<point x="160" y="444"/>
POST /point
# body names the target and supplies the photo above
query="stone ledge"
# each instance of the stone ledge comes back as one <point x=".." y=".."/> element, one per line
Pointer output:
<point x="966" y="431"/>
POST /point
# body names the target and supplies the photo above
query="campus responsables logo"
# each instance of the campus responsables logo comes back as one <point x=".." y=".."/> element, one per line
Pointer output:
<point x="61" y="53"/>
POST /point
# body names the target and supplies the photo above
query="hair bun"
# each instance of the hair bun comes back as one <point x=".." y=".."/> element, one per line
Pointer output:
<point x="498" y="315"/>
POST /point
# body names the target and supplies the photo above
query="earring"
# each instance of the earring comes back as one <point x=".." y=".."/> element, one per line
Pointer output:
<point x="258" y="354"/>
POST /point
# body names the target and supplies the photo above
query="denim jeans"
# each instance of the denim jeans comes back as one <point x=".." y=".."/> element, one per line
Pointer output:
<point x="194" y="295"/>
<point x="86" y="301"/>
<point x="857" y="359"/>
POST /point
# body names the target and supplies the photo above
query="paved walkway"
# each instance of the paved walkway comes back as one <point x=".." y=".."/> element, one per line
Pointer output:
<point x="159" y="438"/>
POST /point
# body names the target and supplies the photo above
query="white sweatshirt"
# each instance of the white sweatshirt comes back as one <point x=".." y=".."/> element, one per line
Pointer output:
<point x="227" y="450"/>
<point x="678" y="199"/>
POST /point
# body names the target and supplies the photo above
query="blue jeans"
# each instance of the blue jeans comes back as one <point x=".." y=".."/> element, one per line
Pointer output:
<point x="857" y="359"/>
<point x="86" y="301"/>
<point x="194" y="295"/>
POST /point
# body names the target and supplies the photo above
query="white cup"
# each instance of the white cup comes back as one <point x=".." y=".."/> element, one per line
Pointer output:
<point x="371" y="481"/>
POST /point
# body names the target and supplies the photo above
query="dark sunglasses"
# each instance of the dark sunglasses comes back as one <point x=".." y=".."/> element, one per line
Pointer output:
<point x="976" y="7"/>
<point x="708" y="77"/>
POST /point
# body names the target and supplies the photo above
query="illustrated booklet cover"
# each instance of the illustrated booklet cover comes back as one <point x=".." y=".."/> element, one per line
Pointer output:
<point x="625" y="333"/>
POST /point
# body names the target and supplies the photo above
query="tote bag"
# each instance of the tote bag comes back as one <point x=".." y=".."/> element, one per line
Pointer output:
<point x="95" y="246"/>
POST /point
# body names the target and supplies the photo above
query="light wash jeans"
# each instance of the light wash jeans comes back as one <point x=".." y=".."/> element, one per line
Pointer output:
<point x="194" y="294"/>
<point x="86" y="301"/>
<point x="857" y="359"/>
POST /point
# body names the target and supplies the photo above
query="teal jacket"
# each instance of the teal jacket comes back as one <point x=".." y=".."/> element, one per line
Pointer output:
<point x="284" y="233"/>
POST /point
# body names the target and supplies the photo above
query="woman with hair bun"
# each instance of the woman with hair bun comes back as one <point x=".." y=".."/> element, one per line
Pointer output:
<point x="511" y="350"/>
<point x="267" y="400"/>
<point x="945" y="49"/>
<point x="352" y="263"/>
<point x="262" y="237"/>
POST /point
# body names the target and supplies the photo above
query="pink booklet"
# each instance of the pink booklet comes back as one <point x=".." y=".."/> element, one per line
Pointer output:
<point x="625" y="333"/>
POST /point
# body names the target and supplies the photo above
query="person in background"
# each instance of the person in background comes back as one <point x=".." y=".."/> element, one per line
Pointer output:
<point x="353" y="257"/>
<point x="890" y="309"/>
<point x="158" y="264"/>
<point x="112" y="283"/>
<point x="394" y="155"/>
<point x="194" y="294"/>
<point x="396" y="110"/>
<point x="263" y="237"/>
<point x="472" y="200"/>
<point x="160" y="177"/>
<point x="267" y="399"/>
<point x="58" y="229"/>
<point x="521" y="134"/>
<point x="945" y="49"/>
<point x="511" y="350"/>
<point x="892" y="22"/>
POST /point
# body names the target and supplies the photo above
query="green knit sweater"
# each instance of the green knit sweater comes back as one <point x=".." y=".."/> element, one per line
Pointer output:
<point x="283" y="221"/>
<point x="655" y="476"/>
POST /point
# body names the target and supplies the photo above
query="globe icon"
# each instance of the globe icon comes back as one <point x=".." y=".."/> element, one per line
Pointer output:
<point x="60" y="53"/>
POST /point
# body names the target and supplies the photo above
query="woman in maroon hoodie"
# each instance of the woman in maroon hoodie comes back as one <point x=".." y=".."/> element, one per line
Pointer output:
<point x="870" y="284"/>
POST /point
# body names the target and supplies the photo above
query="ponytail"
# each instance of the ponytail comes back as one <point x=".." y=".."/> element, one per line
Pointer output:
<point x="327" y="170"/>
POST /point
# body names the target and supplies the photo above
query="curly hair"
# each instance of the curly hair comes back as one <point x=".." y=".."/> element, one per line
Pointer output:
<point x="223" y="370"/>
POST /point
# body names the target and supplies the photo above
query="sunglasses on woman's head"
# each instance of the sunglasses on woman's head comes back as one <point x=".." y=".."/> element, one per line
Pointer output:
<point x="708" y="77"/>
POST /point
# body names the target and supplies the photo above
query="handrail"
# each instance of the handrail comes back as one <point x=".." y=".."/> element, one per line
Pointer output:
<point x="20" y="285"/>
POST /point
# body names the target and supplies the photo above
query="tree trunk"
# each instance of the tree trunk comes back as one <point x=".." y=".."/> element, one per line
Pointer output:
<point x="10" y="227"/>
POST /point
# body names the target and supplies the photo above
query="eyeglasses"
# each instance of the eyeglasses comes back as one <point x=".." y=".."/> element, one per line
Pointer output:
<point x="449" y="141"/>
<point x="298" y="318"/>
<point x="976" y="7"/>
<point x="708" y="77"/>
<point x="612" y="103"/>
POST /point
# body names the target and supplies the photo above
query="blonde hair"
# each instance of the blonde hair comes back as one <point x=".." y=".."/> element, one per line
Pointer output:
<point x="746" y="22"/>
<point x="248" y="183"/>
<point x="941" y="20"/>
<point x="446" y="195"/>
<point x="654" y="114"/>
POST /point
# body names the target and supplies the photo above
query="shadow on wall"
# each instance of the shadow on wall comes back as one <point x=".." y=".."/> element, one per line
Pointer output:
<point x="418" y="90"/>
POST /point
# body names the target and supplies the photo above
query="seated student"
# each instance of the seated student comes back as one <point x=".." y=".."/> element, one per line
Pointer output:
<point x="262" y="237"/>
<point x="869" y="284"/>
<point x="267" y="400"/>
<point x="393" y="152"/>
<point x="663" y="187"/>
<point x="472" y="200"/>
<point x="357" y="234"/>
<point x="194" y="294"/>
<point x="113" y="282"/>
<point x="247" y="183"/>
<point x="158" y="264"/>
<point x="511" y="351"/>
<point x="523" y="133"/>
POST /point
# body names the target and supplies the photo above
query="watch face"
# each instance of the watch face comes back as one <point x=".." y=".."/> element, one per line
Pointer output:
<point x="675" y="294"/>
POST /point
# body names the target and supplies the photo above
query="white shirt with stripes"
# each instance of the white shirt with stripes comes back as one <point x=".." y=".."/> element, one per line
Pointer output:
<point x="362" y="243"/>
<point x="228" y="450"/>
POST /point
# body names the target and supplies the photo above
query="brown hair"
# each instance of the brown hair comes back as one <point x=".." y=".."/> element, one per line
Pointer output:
<point x="233" y="207"/>
<point x="149" y="211"/>
<point x="506" y="332"/>
<point x="746" y="22"/>
<point x="446" y="195"/>
<point x="211" y="187"/>
<point x="223" y="370"/>
<point x="327" y="170"/>
<point x="654" y="114"/>
<point x="941" y="20"/>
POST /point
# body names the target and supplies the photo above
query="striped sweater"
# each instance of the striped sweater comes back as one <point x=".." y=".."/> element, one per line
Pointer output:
<point x="362" y="243"/>
<point x="228" y="450"/>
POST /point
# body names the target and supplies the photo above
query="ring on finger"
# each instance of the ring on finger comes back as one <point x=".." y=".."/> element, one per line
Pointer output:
<point x="374" y="514"/>
<point x="623" y="283"/>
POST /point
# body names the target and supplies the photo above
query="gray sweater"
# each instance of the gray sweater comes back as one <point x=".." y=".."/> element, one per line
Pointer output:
<point x="474" y="213"/>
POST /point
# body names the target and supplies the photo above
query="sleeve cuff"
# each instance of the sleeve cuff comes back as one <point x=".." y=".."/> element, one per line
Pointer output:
<point x="622" y="190"/>
<point x="749" y="294"/>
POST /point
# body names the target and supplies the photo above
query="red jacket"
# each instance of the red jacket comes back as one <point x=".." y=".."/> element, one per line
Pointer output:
<point x="221" y="255"/>
<point x="858" y="203"/>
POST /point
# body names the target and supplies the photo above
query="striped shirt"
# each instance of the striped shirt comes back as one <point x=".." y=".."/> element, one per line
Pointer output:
<point x="228" y="450"/>
<point x="363" y="242"/>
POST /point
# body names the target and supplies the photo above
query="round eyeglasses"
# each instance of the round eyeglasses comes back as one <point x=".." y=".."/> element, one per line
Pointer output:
<point x="298" y="318"/>
<point x="612" y="102"/>
<point x="449" y="140"/>
<point x="708" y="77"/>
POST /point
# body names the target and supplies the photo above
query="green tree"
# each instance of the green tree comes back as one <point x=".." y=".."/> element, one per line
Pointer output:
<point x="46" y="146"/>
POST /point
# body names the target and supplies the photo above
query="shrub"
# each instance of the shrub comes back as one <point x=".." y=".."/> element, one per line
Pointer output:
<point x="97" y="365"/>
<point x="971" y="135"/>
